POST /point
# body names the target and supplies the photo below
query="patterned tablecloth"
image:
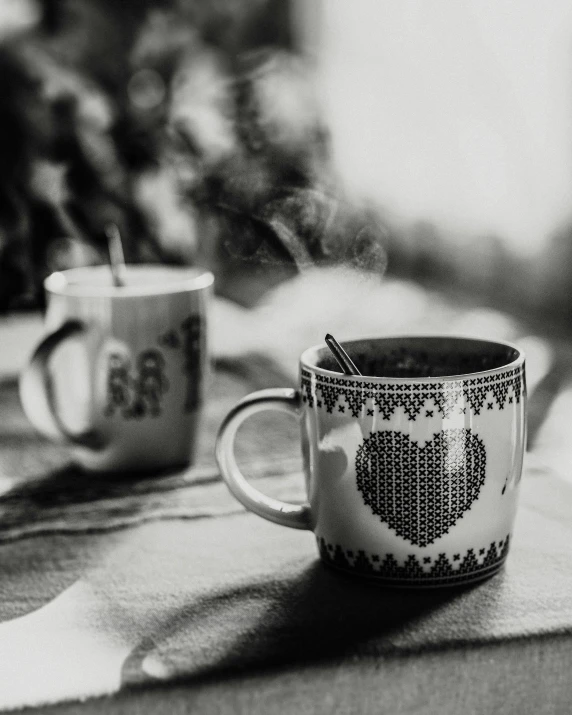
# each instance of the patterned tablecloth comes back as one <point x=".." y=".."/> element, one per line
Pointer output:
<point x="160" y="594"/>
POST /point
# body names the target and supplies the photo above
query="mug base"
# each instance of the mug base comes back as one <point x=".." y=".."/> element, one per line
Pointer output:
<point x="411" y="574"/>
<point x="411" y="585"/>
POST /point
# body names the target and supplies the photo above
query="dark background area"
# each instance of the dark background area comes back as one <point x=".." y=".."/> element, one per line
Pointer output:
<point x="190" y="125"/>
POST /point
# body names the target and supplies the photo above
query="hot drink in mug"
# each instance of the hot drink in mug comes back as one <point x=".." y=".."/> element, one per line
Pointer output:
<point x="412" y="468"/>
<point x="120" y="374"/>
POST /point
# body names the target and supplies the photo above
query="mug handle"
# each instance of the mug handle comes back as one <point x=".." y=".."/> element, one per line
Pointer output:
<point x="37" y="394"/>
<point x="287" y="400"/>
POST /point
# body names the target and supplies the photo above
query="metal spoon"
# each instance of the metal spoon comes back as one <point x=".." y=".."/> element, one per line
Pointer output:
<point x="344" y="360"/>
<point x="116" y="257"/>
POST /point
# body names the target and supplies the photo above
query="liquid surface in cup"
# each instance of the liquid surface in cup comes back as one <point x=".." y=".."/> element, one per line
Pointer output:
<point x="424" y="357"/>
<point x="139" y="280"/>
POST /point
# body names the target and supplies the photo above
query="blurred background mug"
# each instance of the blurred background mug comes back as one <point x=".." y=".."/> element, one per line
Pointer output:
<point x="120" y="374"/>
<point x="413" y="469"/>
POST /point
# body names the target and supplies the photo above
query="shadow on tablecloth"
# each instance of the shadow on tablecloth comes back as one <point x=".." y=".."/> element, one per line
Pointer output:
<point x="315" y="616"/>
<point x="42" y="492"/>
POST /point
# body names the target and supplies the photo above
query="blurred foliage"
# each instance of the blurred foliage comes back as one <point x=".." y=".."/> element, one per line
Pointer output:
<point x="191" y="124"/>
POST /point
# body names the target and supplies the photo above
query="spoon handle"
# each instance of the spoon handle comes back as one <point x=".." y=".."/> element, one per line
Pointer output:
<point x="344" y="360"/>
<point x="116" y="257"/>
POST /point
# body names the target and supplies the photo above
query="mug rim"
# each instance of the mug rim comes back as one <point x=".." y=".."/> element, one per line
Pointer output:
<point x="190" y="278"/>
<point x="309" y="358"/>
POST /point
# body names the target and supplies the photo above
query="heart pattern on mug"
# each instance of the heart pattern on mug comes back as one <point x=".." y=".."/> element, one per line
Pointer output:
<point x="421" y="492"/>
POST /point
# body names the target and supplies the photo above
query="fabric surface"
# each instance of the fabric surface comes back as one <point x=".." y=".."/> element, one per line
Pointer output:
<point x="160" y="594"/>
<point x="41" y="491"/>
<point x="235" y="600"/>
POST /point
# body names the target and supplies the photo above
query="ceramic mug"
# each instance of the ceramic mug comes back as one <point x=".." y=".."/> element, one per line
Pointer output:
<point x="120" y="374"/>
<point x="412" y="471"/>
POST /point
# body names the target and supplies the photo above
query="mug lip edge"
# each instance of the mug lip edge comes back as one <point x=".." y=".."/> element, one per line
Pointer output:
<point x="519" y="361"/>
<point x="57" y="282"/>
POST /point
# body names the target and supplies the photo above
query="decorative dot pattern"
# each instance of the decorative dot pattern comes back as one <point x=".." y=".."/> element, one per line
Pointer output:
<point x="476" y="393"/>
<point x="421" y="492"/>
<point x="424" y="571"/>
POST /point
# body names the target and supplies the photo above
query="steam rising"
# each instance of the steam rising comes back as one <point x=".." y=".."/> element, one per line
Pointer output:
<point x="256" y="160"/>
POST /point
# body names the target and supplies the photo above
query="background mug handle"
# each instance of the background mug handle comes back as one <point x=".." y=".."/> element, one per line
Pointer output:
<point x="287" y="400"/>
<point x="37" y="393"/>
